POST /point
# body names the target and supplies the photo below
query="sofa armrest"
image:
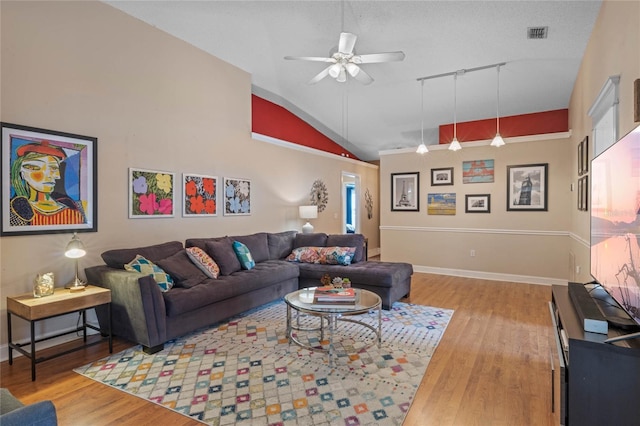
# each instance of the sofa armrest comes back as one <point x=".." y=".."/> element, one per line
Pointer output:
<point x="138" y="311"/>
<point x="41" y="413"/>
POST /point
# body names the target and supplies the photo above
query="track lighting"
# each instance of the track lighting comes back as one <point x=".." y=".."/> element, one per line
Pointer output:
<point x="497" y="140"/>
<point x="455" y="145"/>
<point x="422" y="148"/>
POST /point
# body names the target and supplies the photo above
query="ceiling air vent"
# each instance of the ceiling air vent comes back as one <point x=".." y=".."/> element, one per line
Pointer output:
<point x="535" y="33"/>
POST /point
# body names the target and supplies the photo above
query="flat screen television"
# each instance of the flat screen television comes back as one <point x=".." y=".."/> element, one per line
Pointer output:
<point x="615" y="222"/>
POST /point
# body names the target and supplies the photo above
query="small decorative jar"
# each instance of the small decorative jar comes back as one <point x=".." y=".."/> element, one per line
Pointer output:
<point x="43" y="285"/>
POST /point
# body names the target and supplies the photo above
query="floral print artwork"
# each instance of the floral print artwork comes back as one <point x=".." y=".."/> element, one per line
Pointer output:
<point x="237" y="197"/>
<point x="150" y="193"/>
<point x="200" y="194"/>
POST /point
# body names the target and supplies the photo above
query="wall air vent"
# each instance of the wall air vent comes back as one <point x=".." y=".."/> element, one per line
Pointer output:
<point x="536" y="33"/>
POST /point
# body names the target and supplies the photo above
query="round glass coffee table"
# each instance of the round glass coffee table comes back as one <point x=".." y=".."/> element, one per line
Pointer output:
<point x="301" y="302"/>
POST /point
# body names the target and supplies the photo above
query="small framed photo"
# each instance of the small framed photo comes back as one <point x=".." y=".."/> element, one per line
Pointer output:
<point x="199" y="195"/>
<point x="477" y="203"/>
<point x="442" y="176"/>
<point x="583" y="156"/>
<point x="405" y="192"/>
<point x="237" y="197"/>
<point x="527" y="187"/>
<point x="583" y="193"/>
<point x="151" y="194"/>
<point x="49" y="181"/>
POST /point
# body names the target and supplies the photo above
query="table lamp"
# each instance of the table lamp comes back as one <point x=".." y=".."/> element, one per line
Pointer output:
<point x="308" y="212"/>
<point x="75" y="250"/>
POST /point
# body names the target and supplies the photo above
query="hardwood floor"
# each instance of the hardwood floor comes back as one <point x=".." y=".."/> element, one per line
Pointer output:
<point x="492" y="366"/>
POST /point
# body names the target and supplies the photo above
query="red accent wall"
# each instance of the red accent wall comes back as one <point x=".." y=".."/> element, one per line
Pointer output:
<point x="516" y="125"/>
<point x="277" y="122"/>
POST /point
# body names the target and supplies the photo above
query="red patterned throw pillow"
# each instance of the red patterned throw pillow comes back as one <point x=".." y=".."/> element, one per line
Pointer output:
<point x="203" y="261"/>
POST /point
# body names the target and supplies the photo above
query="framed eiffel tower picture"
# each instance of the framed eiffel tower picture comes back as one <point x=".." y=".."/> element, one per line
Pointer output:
<point x="405" y="192"/>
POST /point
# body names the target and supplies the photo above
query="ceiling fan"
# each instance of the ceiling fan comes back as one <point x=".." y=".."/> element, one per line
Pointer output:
<point x="345" y="60"/>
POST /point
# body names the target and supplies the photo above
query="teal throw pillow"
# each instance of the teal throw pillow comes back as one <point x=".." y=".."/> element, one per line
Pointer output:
<point x="147" y="267"/>
<point x="244" y="255"/>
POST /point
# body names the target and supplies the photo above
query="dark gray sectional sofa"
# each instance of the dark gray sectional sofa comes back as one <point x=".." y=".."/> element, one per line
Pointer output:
<point x="142" y="313"/>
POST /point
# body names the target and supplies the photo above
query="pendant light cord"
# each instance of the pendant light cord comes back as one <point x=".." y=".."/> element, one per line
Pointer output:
<point x="498" y="100"/>
<point x="455" y="103"/>
<point x="422" y="112"/>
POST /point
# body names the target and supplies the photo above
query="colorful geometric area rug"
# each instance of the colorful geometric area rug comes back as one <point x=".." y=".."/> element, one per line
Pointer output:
<point x="243" y="371"/>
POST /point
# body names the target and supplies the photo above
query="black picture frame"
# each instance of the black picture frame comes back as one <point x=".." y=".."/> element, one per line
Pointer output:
<point x="477" y="203"/>
<point x="527" y="187"/>
<point x="583" y="193"/>
<point x="405" y="191"/>
<point x="442" y="176"/>
<point x="583" y="156"/>
<point x="67" y="162"/>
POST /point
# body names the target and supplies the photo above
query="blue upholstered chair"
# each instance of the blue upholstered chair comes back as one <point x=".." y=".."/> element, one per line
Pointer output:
<point x="15" y="413"/>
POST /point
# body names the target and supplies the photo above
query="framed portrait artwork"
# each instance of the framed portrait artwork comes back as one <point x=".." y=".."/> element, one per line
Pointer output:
<point x="443" y="176"/>
<point x="151" y="194"/>
<point x="527" y="187"/>
<point x="237" y="197"/>
<point x="477" y="203"/>
<point x="583" y="156"/>
<point x="49" y="181"/>
<point x="199" y="195"/>
<point x="405" y="192"/>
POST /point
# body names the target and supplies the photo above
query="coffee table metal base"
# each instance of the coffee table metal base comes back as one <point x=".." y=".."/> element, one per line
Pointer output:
<point x="332" y="319"/>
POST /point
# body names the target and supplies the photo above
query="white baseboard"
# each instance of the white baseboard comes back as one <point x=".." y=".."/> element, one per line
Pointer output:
<point x="526" y="279"/>
<point x="4" y="348"/>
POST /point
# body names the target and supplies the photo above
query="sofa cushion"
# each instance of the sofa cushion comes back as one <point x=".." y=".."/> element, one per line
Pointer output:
<point x="145" y="266"/>
<point x="201" y="242"/>
<point x="310" y="240"/>
<point x="271" y="272"/>
<point x="257" y="244"/>
<point x="244" y="255"/>
<point x="222" y="252"/>
<point x="117" y="258"/>
<point x="322" y="255"/>
<point x="348" y="240"/>
<point x="182" y="270"/>
<point x="203" y="261"/>
<point x="280" y="244"/>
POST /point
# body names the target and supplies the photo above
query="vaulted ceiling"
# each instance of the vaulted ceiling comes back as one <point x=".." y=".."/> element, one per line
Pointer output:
<point x="436" y="37"/>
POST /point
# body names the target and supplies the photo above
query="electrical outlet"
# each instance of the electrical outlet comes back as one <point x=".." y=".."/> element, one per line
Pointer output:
<point x="472" y="253"/>
<point x="578" y="268"/>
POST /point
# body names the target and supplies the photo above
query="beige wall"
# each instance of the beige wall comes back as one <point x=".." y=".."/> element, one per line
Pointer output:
<point x="153" y="102"/>
<point x="516" y="245"/>
<point x="613" y="49"/>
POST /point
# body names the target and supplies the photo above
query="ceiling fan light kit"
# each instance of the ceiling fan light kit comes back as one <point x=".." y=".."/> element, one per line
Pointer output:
<point x="346" y="61"/>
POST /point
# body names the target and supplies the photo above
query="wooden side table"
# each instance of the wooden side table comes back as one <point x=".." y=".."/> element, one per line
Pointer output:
<point x="62" y="302"/>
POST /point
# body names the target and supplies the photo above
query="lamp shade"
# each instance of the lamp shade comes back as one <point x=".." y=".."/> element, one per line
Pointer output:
<point x="75" y="248"/>
<point x="308" y="212"/>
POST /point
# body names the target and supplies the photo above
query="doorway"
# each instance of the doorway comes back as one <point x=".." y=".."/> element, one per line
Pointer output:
<point x="350" y="203"/>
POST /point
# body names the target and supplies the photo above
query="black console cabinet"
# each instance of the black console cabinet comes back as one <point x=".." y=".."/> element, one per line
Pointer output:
<point x="599" y="383"/>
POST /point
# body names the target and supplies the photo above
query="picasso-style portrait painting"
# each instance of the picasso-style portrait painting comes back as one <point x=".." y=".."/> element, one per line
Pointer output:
<point x="49" y="181"/>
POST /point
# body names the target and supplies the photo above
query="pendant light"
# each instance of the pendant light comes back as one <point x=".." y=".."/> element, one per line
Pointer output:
<point x="422" y="148"/>
<point x="497" y="140"/>
<point x="455" y="145"/>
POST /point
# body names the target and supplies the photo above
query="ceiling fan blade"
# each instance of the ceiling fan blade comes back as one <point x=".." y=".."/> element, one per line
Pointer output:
<point x="363" y="77"/>
<point x="347" y="43"/>
<point x="378" y="57"/>
<point x="322" y="74"/>
<point x="310" y="58"/>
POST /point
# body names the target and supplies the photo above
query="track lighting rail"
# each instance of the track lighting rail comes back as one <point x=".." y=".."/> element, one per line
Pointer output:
<point x="461" y="72"/>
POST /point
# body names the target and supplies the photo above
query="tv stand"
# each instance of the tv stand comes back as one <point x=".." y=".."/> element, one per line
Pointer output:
<point x="599" y="382"/>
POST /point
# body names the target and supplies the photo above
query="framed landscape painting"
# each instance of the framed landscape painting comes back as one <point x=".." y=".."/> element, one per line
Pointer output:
<point x="405" y="192"/>
<point x="237" y="197"/>
<point x="151" y="194"/>
<point x="527" y="187"/>
<point x="199" y="195"/>
<point x="49" y="181"/>
<point x="441" y="204"/>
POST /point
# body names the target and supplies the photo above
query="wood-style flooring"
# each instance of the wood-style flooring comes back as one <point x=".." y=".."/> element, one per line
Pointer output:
<point x="492" y="366"/>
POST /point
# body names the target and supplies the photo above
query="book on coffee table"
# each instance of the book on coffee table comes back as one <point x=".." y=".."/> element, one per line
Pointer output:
<point x="334" y="296"/>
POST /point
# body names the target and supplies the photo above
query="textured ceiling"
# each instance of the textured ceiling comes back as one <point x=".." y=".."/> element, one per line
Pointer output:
<point x="436" y="36"/>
